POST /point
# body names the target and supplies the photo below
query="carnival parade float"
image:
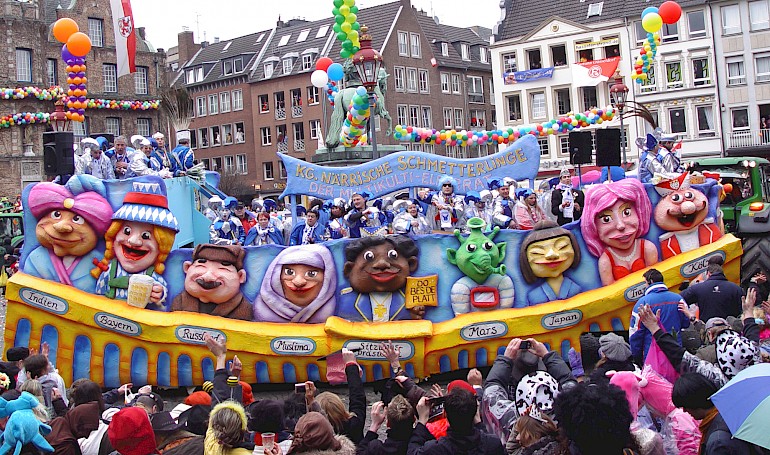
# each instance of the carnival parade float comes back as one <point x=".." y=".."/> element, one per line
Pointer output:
<point x="103" y="285"/>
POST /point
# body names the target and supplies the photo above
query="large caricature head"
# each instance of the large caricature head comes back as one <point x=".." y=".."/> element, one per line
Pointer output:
<point x="215" y="274"/>
<point x="299" y="286"/>
<point x="548" y="251"/>
<point x="71" y="218"/>
<point x="615" y="215"/>
<point x="682" y="207"/>
<point x="380" y="264"/>
<point x="478" y="256"/>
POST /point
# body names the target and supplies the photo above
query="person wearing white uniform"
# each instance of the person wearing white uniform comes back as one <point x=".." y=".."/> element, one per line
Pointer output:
<point x="411" y="222"/>
<point x="94" y="162"/>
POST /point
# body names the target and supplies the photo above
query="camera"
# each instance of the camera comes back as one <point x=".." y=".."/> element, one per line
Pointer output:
<point x="525" y="345"/>
<point x="299" y="388"/>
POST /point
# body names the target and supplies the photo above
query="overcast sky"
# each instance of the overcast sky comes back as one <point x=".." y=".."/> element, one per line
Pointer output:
<point x="227" y="19"/>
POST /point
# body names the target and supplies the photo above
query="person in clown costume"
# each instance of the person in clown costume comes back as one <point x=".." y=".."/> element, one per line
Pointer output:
<point x="138" y="241"/>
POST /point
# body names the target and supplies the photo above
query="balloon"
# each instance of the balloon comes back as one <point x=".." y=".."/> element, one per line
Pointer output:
<point x="64" y="28"/>
<point x="319" y="78"/>
<point x="342" y="36"/>
<point x="354" y="9"/>
<point x="345" y="27"/>
<point x="339" y="19"/>
<point x="79" y="44"/>
<point x="356" y="26"/>
<point x="648" y="10"/>
<point x="344" y="10"/>
<point x="323" y="63"/>
<point x="652" y="22"/>
<point x="670" y="12"/>
<point x="344" y="53"/>
<point x="351" y="18"/>
<point x="335" y="72"/>
<point x="353" y="36"/>
<point x="349" y="2"/>
<point x="338" y="3"/>
<point x="336" y="28"/>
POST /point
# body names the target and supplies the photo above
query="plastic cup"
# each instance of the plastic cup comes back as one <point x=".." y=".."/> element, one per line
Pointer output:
<point x="139" y="290"/>
<point x="268" y="440"/>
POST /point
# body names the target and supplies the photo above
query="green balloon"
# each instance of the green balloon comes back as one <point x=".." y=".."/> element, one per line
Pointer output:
<point x="347" y="44"/>
<point x="356" y="26"/>
<point x="356" y="49"/>
<point x="344" y="53"/>
<point x="339" y="18"/>
<point x="354" y="9"/>
<point x="335" y="11"/>
<point x="338" y="3"/>
<point x="342" y="36"/>
<point x="336" y="28"/>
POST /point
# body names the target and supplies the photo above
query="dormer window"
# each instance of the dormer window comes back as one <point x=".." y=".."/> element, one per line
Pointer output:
<point x="465" y="51"/>
<point x="445" y="49"/>
<point x="483" y="56"/>
<point x="190" y="76"/>
<point x="288" y="63"/>
<point x="595" y="9"/>
<point x="308" y="57"/>
<point x="307" y="62"/>
<point x="269" y="68"/>
<point x="232" y="66"/>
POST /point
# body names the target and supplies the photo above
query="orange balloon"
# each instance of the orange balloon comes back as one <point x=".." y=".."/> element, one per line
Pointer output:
<point x="79" y="44"/>
<point x="64" y="28"/>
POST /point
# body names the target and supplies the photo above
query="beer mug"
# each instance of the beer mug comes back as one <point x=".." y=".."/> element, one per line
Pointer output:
<point x="139" y="290"/>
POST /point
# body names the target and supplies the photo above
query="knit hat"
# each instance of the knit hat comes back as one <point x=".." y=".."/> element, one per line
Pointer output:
<point x="130" y="432"/>
<point x="233" y="254"/>
<point x="84" y="196"/>
<point x="614" y="347"/>
<point x="460" y="384"/>
<point x="735" y="353"/>
<point x="313" y="432"/>
<point x="199" y="397"/>
<point x="17" y="353"/>
<point x="715" y="322"/>
<point x="147" y="203"/>
<point x="538" y="388"/>
<point x="247" y="395"/>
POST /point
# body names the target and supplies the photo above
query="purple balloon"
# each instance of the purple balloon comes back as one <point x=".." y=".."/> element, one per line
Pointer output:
<point x="82" y="99"/>
<point x="73" y="86"/>
<point x="81" y="111"/>
<point x="66" y="55"/>
<point x="81" y="74"/>
<point x="82" y="86"/>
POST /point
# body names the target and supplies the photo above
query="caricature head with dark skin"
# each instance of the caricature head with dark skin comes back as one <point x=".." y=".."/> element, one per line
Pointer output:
<point x="380" y="264"/>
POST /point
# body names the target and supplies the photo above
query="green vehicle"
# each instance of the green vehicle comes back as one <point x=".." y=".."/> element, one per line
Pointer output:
<point x="746" y="207"/>
<point x="12" y="226"/>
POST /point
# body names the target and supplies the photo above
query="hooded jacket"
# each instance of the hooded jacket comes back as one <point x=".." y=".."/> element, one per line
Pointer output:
<point x="77" y="423"/>
<point x="423" y="443"/>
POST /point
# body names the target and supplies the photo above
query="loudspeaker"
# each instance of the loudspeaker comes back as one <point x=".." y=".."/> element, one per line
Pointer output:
<point x="58" y="154"/>
<point x="580" y="147"/>
<point x="608" y="147"/>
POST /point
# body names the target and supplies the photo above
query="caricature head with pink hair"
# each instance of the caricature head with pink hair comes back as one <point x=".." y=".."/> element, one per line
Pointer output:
<point x="615" y="215"/>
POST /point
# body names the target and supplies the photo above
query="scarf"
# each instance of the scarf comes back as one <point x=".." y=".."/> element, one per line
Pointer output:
<point x="704" y="426"/>
<point x="307" y="234"/>
<point x="262" y="235"/>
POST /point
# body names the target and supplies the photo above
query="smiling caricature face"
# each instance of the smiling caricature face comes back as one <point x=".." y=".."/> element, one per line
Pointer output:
<point x="66" y="233"/>
<point x="212" y="281"/>
<point x="550" y="258"/>
<point x="681" y="210"/>
<point x="379" y="268"/>
<point x="301" y="283"/>
<point x="135" y="246"/>
<point x="617" y="226"/>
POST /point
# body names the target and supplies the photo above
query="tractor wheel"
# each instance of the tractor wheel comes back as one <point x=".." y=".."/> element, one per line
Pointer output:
<point x="756" y="256"/>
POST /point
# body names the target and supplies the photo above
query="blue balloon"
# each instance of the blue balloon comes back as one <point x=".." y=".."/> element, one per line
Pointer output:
<point x="648" y="10"/>
<point x="335" y="72"/>
<point x="361" y="91"/>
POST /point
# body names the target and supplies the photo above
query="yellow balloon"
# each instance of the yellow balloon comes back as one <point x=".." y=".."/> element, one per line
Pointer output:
<point x="345" y="10"/>
<point x="346" y="27"/>
<point x="651" y="22"/>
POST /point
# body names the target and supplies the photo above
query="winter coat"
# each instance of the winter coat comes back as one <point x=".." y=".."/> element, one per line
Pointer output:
<point x="658" y="297"/>
<point x="394" y="444"/>
<point x="76" y="424"/>
<point x="348" y="448"/>
<point x="547" y="445"/>
<point x="684" y="362"/>
<point x="716" y="297"/>
<point x="718" y="440"/>
<point x="477" y="443"/>
<point x="223" y="392"/>
<point x="353" y="428"/>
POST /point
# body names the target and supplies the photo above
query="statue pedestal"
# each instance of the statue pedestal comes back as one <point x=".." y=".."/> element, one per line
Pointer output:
<point x="349" y="156"/>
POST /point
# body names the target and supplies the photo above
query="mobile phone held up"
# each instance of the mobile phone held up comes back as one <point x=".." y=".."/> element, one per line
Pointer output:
<point x="436" y="408"/>
<point x="299" y="388"/>
<point x="525" y="345"/>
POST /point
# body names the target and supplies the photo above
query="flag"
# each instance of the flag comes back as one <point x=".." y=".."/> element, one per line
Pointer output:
<point x="589" y="74"/>
<point x="125" y="36"/>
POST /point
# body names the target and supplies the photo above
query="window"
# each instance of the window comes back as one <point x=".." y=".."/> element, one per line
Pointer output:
<point x="240" y="136"/>
<point x="315" y="129"/>
<point x="514" y="107"/>
<point x="313" y="95"/>
<point x="269" y="69"/>
<point x="559" y="55"/>
<point x="456" y="84"/>
<point x="112" y="125"/>
<point x="398" y="78"/>
<point x="509" y="63"/>
<point x="241" y="164"/>
<point x="96" y="31"/>
<point x="424" y="84"/>
<point x="80" y="130"/>
<point x="216" y="136"/>
<point x="537" y="101"/>
<point x="237" y="100"/>
<point x="595" y="9"/>
<point x="190" y="77"/>
<point x="483" y="56"/>
<point x="544" y="149"/>
<point x="677" y="121"/>
<point x="447" y="117"/>
<point x="224" y="102"/>
<point x="731" y="20"/>
<point x="700" y="71"/>
<point x="414" y="115"/>
<point x="415" y="42"/>
<point x="403" y="44"/>
<point x="478" y="118"/>
<point x="427" y="117"/>
<point x="216" y="164"/>
<point x="284" y="40"/>
<point x="52" y="72"/>
<point x="213" y="104"/>
<point x="307" y="61"/>
<point x="206" y="162"/>
<point x="465" y="52"/>
<point x="266" y="136"/>
<point x="23" y="65"/>
<point x="194" y="142"/>
<point x="585" y="55"/>
<point x="264" y="105"/>
<point x="759" y="15"/>
<point x="641" y="33"/>
<point x="282" y="170"/>
<point x="411" y="79"/>
<point x="227" y="67"/>
<point x="534" y="60"/>
<point x="696" y="23"/>
<point x="299" y="131"/>
<point x="110" y="77"/>
<point x="674" y="75"/>
<point x="589" y="97"/>
<point x="203" y="137"/>
<point x="705" y="121"/>
<point x="287" y="65"/>
<point x="459" y="117"/>
<point x="200" y="104"/>
<point x="321" y="31"/>
<point x="762" y="63"/>
<point x="669" y="33"/>
<point x="649" y="85"/>
<point x="445" y="82"/>
<point x="143" y="126"/>
<point x="229" y="165"/>
<point x="227" y="133"/>
<point x="564" y="145"/>
<point x="401" y="114"/>
<point x="740" y="118"/>
<point x="445" y="49"/>
<point x="612" y="50"/>
<point x="736" y="72"/>
<point x="267" y="170"/>
<point x="475" y="89"/>
<point x="199" y="74"/>
<point x="303" y="35"/>
<point x="563" y="101"/>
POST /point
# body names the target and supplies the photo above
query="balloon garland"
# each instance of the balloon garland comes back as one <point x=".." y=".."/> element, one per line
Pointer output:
<point x="354" y="129"/>
<point x="43" y="94"/>
<point x="346" y="26"/>
<point x="76" y="46"/>
<point x="465" y="138"/>
<point x="652" y="20"/>
<point x="123" y="105"/>
<point x="24" y="118"/>
<point x="53" y="93"/>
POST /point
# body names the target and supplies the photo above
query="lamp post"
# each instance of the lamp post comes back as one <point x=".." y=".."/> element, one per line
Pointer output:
<point x="368" y="62"/>
<point x="58" y="118"/>
<point x="619" y="94"/>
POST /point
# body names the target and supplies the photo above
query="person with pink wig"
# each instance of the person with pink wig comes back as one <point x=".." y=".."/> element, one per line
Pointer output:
<point x="615" y="217"/>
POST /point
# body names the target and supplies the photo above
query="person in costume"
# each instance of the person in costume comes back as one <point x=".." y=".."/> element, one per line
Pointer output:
<point x="214" y="206"/>
<point x="616" y="217"/>
<point x="335" y="227"/>
<point x="226" y="228"/>
<point x="670" y="155"/>
<point x="138" y="241"/>
<point x="212" y="283"/>
<point x="143" y="162"/>
<point x="503" y="211"/>
<point x="93" y="161"/>
<point x="299" y="286"/>
<point x="263" y="233"/>
<point x="649" y="162"/>
<point x="566" y="202"/>
<point x="377" y="268"/>
<point x="165" y="158"/>
<point x="683" y="212"/>
<point x="528" y="212"/>
<point x="121" y="156"/>
<point x="308" y="232"/>
<point x="546" y="253"/>
<point x="362" y="217"/>
<point x="71" y="219"/>
<point x="185" y="156"/>
<point x="476" y="207"/>
<point x="449" y="206"/>
<point x="411" y="221"/>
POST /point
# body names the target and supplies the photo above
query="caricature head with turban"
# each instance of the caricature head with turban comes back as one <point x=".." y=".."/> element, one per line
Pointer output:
<point x="299" y="286"/>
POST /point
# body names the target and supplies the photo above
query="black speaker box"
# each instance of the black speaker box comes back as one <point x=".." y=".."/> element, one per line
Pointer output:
<point x="608" y="147"/>
<point x="580" y="147"/>
<point x="58" y="154"/>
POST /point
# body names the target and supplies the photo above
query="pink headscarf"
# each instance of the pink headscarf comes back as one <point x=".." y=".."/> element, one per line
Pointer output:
<point x="46" y="197"/>
<point x="630" y="383"/>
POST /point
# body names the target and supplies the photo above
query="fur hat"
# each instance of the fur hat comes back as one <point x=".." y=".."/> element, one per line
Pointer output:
<point x="735" y="353"/>
<point x="130" y="432"/>
<point x="17" y="353"/>
<point x="614" y="347"/>
<point x="538" y="388"/>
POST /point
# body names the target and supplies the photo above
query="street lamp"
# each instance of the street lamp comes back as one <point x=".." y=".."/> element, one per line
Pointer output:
<point x="619" y="94"/>
<point x="58" y="118"/>
<point x="368" y="62"/>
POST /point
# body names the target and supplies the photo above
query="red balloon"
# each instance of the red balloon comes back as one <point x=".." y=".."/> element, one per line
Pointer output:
<point x="323" y="63"/>
<point x="670" y="12"/>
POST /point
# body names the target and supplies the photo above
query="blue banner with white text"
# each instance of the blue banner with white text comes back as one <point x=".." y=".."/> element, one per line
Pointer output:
<point x="517" y="77"/>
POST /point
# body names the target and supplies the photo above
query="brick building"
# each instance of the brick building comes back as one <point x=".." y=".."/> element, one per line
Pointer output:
<point x="32" y="57"/>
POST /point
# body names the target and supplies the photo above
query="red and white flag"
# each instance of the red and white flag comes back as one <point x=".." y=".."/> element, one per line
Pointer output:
<point x="589" y="74"/>
<point x="125" y="36"/>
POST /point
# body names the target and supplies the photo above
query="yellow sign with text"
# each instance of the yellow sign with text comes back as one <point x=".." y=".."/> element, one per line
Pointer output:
<point x="421" y="291"/>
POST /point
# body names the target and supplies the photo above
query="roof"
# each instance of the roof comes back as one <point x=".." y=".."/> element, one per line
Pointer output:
<point x="454" y="37"/>
<point x="211" y="56"/>
<point x="525" y="16"/>
<point x="379" y="20"/>
<point x="291" y="40"/>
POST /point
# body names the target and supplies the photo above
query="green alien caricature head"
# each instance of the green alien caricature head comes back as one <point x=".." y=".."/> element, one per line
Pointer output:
<point x="478" y="256"/>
